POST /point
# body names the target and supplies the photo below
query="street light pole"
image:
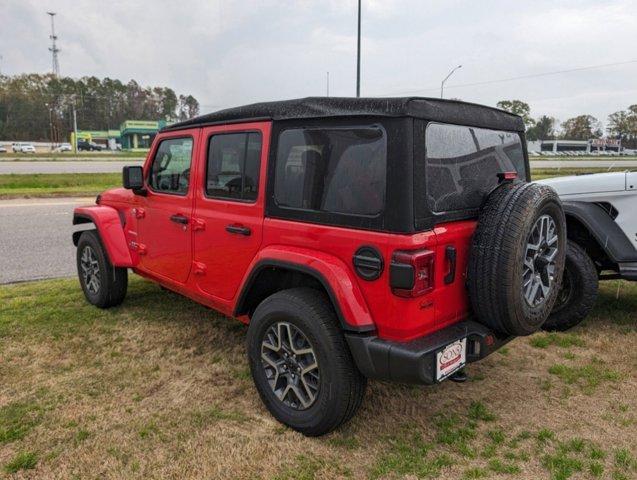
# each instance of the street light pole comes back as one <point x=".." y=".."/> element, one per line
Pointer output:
<point x="358" y="54"/>
<point x="442" y="84"/>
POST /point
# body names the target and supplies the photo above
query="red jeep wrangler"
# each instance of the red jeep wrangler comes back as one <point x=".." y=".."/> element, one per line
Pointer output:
<point x="396" y="239"/>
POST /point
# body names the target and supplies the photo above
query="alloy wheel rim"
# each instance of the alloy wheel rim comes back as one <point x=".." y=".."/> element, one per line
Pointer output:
<point x="290" y="365"/>
<point x="90" y="270"/>
<point x="540" y="261"/>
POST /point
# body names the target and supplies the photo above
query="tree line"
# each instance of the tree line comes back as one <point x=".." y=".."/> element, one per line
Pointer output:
<point x="621" y="125"/>
<point x="39" y="107"/>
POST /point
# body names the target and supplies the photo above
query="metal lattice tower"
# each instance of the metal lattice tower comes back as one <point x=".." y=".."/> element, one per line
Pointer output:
<point x="55" y="66"/>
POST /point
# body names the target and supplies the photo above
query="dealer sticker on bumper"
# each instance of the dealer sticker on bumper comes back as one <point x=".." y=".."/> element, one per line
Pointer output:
<point x="451" y="358"/>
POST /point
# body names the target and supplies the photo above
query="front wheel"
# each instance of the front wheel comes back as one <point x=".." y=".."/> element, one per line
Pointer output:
<point x="103" y="284"/>
<point x="301" y="364"/>
<point x="578" y="291"/>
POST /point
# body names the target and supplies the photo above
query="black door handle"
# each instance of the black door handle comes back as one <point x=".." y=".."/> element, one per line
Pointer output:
<point x="238" y="229"/>
<point x="451" y="257"/>
<point x="179" y="219"/>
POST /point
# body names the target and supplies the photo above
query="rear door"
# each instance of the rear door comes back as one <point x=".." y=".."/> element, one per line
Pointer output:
<point x="462" y="167"/>
<point x="229" y="205"/>
<point x="164" y="214"/>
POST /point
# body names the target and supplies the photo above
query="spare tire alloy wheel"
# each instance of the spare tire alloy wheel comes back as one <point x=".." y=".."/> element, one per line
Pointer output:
<point x="517" y="258"/>
<point x="540" y="261"/>
<point x="290" y="365"/>
<point x="90" y="270"/>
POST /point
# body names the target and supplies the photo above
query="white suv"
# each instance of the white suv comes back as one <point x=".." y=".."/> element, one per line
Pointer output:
<point x="601" y="217"/>
<point x="23" y="148"/>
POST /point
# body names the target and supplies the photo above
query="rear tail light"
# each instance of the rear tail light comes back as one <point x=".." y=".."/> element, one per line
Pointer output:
<point x="507" y="176"/>
<point x="411" y="273"/>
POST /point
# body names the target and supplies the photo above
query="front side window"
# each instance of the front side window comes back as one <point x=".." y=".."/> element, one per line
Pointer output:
<point x="170" y="171"/>
<point x="340" y="170"/>
<point x="233" y="166"/>
<point x="463" y="163"/>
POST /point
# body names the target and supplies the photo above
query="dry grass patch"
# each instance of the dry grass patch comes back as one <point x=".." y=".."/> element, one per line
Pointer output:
<point x="159" y="388"/>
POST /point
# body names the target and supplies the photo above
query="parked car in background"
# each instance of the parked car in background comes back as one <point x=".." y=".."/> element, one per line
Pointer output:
<point x="601" y="218"/>
<point x="83" y="145"/>
<point x="64" y="147"/>
<point x="3" y="149"/>
<point x="27" y="148"/>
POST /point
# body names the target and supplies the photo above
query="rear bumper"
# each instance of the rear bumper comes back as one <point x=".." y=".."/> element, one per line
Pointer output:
<point x="415" y="361"/>
<point x="628" y="270"/>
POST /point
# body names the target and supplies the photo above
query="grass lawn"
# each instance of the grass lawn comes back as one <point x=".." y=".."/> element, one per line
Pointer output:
<point x="540" y="173"/>
<point x="56" y="184"/>
<point x="160" y="388"/>
<point x="82" y="184"/>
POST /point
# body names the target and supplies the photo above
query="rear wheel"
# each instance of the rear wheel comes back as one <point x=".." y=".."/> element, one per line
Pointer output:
<point x="103" y="284"/>
<point x="578" y="291"/>
<point x="300" y="362"/>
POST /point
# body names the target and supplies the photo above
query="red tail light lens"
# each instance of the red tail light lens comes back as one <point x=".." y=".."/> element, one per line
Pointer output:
<point x="411" y="273"/>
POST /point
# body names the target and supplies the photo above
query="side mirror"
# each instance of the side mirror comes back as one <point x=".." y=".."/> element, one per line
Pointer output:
<point x="133" y="178"/>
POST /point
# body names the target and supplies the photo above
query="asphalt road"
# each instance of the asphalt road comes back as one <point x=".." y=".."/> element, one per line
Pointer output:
<point x="92" y="166"/>
<point x="35" y="238"/>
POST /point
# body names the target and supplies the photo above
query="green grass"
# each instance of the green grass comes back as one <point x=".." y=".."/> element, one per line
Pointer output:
<point x="17" y="419"/>
<point x="56" y="184"/>
<point x="22" y="461"/>
<point x="409" y="456"/>
<point x="588" y="376"/>
<point x="541" y="173"/>
<point x="157" y="381"/>
<point x="563" y="340"/>
<point x="80" y="184"/>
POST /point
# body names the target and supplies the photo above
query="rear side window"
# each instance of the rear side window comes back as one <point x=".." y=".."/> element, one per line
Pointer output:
<point x="233" y="166"/>
<point x="340" y="170"/>
<point x="463" y="164"/>
<point x="170" y="171"/>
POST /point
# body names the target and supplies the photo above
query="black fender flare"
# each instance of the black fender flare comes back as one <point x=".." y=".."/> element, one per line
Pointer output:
<point x="602" y="228"/>
<point x="240" y="308"/>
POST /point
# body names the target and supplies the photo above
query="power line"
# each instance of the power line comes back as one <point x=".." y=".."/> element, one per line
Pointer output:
<point x="510" y="79"/>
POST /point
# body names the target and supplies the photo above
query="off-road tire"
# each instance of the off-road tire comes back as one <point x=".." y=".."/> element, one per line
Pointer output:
<point x="578" y="292"/>
<point x="498" y="252"/>
<point x="341" y="385"/>
<point x="113" y="280"/>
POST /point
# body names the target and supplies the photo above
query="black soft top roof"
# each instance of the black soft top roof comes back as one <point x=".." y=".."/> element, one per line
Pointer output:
<point x="447" y="111"/>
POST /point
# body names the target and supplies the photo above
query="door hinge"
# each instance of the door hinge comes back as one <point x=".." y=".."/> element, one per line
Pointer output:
<point x="139" y="212"/>
<point x="199" y="268"/>
<point x="140" y="248"/>
<point x="198" y="225"/>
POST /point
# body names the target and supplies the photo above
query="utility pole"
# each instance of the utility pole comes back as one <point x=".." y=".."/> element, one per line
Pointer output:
<point x="328" y="84"/>
<point x="358" y="54"/>
<point x="74" y="130"/>
<point x="55" y="66"/>
<point x="442" y="84"/>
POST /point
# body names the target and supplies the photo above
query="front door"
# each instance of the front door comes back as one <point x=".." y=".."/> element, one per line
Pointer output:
<point x="229" y="205"/>
<point x="164" y="214"/>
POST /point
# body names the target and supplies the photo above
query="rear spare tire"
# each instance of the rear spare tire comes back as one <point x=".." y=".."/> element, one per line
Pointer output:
<point x="517" y="257"/>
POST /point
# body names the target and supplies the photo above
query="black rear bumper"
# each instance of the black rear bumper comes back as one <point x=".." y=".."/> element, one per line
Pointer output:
<point x="415" y="361"/>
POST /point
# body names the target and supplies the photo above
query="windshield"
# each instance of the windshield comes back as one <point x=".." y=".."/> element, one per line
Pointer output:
<point x="463" y="164"/>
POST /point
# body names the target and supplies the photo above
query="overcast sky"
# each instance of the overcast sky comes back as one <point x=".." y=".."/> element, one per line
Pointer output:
<point x="230" y="53"/>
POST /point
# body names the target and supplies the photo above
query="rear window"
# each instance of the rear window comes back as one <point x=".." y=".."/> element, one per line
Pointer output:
<point x="463" y="164"/>
<point x="340" y="170"/>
